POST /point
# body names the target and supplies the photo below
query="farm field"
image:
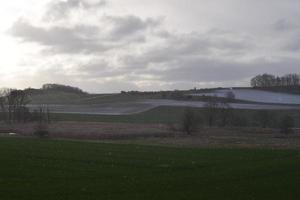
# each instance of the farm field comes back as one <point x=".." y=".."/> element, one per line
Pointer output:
<point x="134" y="107"/>
<point x="50" y="169"/>
<point x="133" y="103"/>
<point x="164" y="135"/>
<point x="150" y="100"/>
<point x="164" y="115"/>
<point x="256" y="96"/>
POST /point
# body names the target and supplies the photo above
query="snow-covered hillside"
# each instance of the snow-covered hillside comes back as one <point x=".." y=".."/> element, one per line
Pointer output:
<point x="256" y="96"/>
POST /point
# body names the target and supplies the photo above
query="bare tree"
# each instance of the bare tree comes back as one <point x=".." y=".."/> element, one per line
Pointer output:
<point x="211" y="110"/>
<point x="226" y="112"/>
<point x="4" y="103"/>
<point x="43" y="120"/>
<point x="190" y="121"/>
<point x="13" y="105"/>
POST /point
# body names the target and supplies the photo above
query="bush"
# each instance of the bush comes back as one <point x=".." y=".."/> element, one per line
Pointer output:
<point x="190" y="121"/>
<point x="41" y="130"/>
<point x="287" y="124"/>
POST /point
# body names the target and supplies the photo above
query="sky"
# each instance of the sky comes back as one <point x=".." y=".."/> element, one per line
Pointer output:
<point x="106" y="46"/>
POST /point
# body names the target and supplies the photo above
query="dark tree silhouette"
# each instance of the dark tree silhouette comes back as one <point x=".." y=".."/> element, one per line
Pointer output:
<point x="190" y="121"/>
<point x="13" y="105"/>
<point x="268" y="80"/>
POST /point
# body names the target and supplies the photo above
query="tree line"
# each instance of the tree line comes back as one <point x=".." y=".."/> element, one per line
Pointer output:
<point x="14" y="108"/>
<point x="219" y="113"/>
<point x="269" y="80"/>
<point x="64" y="88"/>
<point x="13" y="105"/>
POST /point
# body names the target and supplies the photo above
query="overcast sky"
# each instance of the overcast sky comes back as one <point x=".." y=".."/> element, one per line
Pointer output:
<point x="114" y="45"/>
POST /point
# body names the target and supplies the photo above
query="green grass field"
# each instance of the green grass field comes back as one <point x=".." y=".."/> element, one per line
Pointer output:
<point x="169" y="114"/>
<point x="163" y="114"/>
<point x="47" y="169"/>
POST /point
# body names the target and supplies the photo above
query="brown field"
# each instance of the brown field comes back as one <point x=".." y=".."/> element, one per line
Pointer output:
<point x="230" y="138"/>
<point x="158" y="134"/>
<point x="92" y="130"/>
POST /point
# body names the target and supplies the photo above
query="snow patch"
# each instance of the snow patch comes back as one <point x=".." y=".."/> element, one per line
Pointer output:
<point x="256" y="96"/>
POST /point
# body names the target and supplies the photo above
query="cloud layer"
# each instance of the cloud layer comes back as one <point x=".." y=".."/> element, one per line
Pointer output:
<point x="103" y="47"/>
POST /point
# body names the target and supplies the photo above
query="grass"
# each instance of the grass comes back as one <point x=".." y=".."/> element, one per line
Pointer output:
<point x="169" y="114"/>
<point x="163" y="114"/>
<point x="47" y="169"/>
<point x="60" y="97"/>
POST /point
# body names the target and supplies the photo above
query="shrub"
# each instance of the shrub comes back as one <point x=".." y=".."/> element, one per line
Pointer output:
<point x="190" y="121"/>
<point x="41" y="130"/>
<point x="287" y="124"/>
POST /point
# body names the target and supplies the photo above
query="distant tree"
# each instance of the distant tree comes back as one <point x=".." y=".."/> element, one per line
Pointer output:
<point x="211" y="110"/>
<point x="17" y="101"/>
<point x="13" y="105"/>
<point x="291" y="80"/>
<point x="4" y="103"/>
<point x="43" y="119"/>
<point x="190" y="121"/>
<point x="225" y="113"/>
<point x="278" y="81"/>
<point x="265" y="80"/>
<point x="176" y="94"/>
<point x="295" y="79"/>
<point x="268" y="80"/>
<point x="64" y="88"/>
<point x="41" y="130"/>
<point x="287" y="124"/>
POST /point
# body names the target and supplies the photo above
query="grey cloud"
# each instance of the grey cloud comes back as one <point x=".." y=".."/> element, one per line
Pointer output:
<point x="177" y="47"/>
<point x="100" y="69"/>
<point x="293" y="44"/>
<point x="86" y="38"/>
<point x="79" y="39"/>
<point x="187" y="73"/>
<point x="281" y="25"/>
<point x="59" y="9"/>
<point x="289" y="35"/>
<point x="128" y="49"/>
<point x="61" y="76"/>
<point x="129" y="25"/>
<point x="206" y="70"/>
<point x="191" y="71"/>
<point x="285" y="25"/>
